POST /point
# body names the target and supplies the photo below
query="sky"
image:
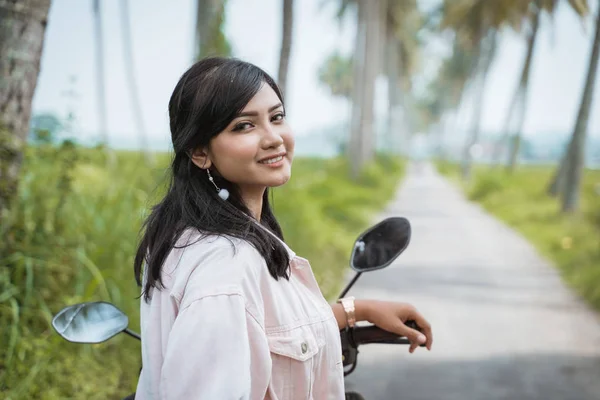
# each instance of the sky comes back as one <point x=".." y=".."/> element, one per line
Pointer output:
<point x="162" y="34"/>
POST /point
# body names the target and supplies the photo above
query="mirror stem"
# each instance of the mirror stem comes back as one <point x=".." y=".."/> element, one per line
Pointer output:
<point x="132" y="334"/>
<point x="349" y="285"/>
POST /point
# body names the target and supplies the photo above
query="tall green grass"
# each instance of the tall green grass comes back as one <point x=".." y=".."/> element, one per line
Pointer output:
<point x="322" y="212"/>
<point x="572" y="242"/>
<point x="72" y="235"/>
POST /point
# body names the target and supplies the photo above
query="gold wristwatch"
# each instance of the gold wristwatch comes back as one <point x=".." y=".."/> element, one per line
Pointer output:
<point x="348" y="304"/>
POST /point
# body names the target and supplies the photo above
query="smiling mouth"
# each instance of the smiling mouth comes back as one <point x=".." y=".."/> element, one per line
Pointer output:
<point x="272" y="160"/>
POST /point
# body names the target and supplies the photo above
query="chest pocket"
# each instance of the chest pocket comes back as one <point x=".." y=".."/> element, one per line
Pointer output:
<point x="294" y="355"/>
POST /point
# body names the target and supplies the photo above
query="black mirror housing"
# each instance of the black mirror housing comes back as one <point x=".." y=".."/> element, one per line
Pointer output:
<point x="380" y="245"/>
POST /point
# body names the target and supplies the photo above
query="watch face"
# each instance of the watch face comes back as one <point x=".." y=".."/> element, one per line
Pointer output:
<point x="348" y="304"/>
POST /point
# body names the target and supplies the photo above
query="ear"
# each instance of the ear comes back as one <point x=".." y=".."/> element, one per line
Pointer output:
<point x="201" y="158"/>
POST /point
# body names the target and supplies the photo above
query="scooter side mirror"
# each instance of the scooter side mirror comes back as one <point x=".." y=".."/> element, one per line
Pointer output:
<point x="93" y="322"/>
<point x="380" y="245"/>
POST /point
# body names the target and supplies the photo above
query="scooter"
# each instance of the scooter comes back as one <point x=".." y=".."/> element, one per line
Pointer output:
<point x="376" y="248"/>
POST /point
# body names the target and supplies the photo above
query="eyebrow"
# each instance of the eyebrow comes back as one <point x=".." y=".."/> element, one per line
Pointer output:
<point x="255" y="113"/>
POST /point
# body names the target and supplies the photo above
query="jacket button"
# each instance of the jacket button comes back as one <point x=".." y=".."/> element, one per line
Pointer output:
<point x="304" y="348"/>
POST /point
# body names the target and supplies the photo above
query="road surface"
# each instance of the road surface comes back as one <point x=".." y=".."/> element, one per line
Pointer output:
<point x="505" y="326"/>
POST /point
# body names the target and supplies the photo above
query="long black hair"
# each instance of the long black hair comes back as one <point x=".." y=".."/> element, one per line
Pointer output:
<point x="206" y="99"/>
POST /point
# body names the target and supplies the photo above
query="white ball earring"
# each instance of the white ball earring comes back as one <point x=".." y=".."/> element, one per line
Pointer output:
<point x="223" y="193"/>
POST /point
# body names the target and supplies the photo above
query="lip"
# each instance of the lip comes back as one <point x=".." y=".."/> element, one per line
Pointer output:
<point x="282" y="154"/>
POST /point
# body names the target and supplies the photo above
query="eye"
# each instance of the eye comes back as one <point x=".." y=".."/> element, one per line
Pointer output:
<point x="242" y="126"/>
<point x="278" y="117"/>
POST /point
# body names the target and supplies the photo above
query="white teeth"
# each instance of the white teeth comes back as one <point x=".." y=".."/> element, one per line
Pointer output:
<point x="272" y="160"/>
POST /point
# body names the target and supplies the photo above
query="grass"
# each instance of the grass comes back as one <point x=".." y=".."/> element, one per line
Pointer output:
<point x="572" y="242"/>
<point x="322" y="212"/>
<point x="72" y="235"/>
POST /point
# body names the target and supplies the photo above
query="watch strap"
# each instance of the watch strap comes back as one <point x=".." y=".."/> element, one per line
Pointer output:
<point x="349" y="309"/>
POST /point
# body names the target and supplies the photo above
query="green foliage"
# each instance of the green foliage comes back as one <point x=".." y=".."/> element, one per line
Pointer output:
<point x="520" y="200"/>
<point x="337" y="74"/>
<point x="447" y="168"/>
<point x="72" y="236"/>
<point x="44" y="128"/>
<point x="486" y="185"/>
<point x="321" y="211"/>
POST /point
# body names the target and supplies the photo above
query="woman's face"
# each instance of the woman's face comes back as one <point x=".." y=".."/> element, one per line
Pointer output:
<point x="256" y="149"/>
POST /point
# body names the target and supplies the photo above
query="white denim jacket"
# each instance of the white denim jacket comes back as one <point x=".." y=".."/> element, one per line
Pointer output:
<point x="223" y="328"/>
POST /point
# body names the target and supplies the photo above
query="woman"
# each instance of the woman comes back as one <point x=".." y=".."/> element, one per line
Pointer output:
<point x="229" y="311"/>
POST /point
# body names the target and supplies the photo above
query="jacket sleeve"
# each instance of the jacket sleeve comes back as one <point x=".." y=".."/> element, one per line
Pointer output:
<point x="209" y="351"/>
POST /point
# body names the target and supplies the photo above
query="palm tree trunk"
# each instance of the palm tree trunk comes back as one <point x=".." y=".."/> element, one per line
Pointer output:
<point x="486" y="61"/>
<point x="100" y="81"/>
<point x="357" y="90"/>
<point x="394" y="128"/>
<point x="132" y="82"/>
<point x="286" y="44"/>
<point x="575" y="164"/>
<point x="204" y="13"/>
<point x="366" y="69"/>
<point x="557" y="182"/>
<point x="452" y="125"/>
<point x="22" y="29"/>
<point x="522" y="95"/>
<point x="372" y="69"/>
<point x="442" y="127"/>
<point x="518" y="102"/>
<point x="404" y="117"/>
<point x="208" y="38"/>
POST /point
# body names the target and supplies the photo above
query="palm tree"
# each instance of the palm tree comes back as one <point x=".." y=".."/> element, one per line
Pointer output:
<point x="209" y="37"/>
<point x="100" y="76"/>
<point x="286" y="44"/>
<point x="484" y="55"/>
<point x="22" y="28"/>
<point x="472" y="27"/>
<point x="431" y="105"/>
<point x="336" y="74"/>
<point x="366" y="68"/>
<point x="557" y="183"/>
<point x="451" y="83"/>
<point x="132" y="82"/>
<point x="476" y="23"/>
<point x="403" y="20"/>
<point x="382" y="30"/>
<point x="519" y="101"/>
<point x="573" y="170"/>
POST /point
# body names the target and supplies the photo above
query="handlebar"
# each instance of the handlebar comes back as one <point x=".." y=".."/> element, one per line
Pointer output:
<point x="354" y="337"/>
<point x="374" y="334"/>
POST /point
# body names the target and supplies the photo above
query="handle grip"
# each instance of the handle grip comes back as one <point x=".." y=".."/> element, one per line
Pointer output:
<point x="374" y="334"/>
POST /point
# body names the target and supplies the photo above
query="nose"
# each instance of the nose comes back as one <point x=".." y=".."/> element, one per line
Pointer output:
<point x="271" y="137"/>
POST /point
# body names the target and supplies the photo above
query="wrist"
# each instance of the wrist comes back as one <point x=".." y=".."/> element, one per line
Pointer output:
<point x="349" y="307"/>
<point x="362" y="310"/>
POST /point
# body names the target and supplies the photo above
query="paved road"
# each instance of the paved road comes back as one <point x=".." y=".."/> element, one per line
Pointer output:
<point x="505" y="327"/>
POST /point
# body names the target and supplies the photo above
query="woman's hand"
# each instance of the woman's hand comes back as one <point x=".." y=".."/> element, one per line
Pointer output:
<point x="391" y="317"/>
